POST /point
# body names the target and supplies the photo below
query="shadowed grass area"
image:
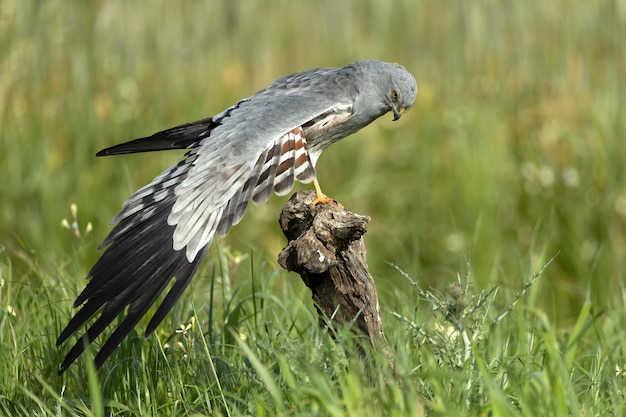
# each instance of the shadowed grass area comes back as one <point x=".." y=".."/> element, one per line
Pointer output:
<point x="513" y="153"/>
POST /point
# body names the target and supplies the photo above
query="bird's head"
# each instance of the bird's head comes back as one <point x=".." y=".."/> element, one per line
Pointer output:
<point x="401" y="90"/>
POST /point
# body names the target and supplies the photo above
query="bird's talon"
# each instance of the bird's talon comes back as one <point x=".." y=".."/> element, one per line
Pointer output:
<point x="326" y="200"/>
<point x="323" y="200"/>
<point x="321" y="197"/>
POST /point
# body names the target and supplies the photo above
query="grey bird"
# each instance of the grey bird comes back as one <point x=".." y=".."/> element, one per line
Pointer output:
<point x="262" y="143"/>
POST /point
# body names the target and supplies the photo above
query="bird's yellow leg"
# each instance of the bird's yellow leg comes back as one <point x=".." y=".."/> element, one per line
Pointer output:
<point x="321" y="197"/>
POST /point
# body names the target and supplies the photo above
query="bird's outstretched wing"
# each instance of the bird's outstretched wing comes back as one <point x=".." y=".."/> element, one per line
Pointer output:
<point x="166" y="227"/>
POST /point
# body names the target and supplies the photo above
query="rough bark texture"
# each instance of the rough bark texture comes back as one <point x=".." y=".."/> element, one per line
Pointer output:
<point x="325" y="248"/>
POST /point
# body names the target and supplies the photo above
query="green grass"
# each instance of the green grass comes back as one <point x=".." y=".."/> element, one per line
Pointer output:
<point x="514" y="153"/>
<point x="457" y="352"/>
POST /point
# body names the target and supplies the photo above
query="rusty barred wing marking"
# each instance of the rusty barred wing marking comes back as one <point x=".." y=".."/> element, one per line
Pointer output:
<point x="285" y="161"/>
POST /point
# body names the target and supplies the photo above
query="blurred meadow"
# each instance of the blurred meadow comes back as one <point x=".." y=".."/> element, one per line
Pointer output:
<point x="514" y="152"/>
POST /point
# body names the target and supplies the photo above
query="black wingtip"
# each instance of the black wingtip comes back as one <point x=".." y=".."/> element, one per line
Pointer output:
<point x="134" y="146"/>
<point x="178" y="137"/>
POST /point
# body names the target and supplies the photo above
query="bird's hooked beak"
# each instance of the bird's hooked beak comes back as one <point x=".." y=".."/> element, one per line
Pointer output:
<point x="397" y="112"/>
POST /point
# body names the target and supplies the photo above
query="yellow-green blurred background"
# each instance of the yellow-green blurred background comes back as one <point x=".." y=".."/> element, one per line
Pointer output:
<point x="514" y="151"/>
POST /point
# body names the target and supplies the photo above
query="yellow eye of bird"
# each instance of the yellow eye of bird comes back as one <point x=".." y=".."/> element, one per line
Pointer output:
<point x="394" y="94"/>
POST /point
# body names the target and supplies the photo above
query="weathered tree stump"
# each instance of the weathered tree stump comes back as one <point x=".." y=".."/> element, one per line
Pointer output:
<point x="326" y="249"/>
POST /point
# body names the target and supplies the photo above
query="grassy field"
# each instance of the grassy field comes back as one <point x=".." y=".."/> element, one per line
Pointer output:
<point x="498" y="205"/>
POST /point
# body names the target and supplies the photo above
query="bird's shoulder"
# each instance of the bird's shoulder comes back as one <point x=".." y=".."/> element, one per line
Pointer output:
<point x="330" y="83"/>
<point x="288" y="102"/>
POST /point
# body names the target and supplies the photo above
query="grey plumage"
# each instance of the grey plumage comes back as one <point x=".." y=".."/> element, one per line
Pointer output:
<point x="262" y="143"/>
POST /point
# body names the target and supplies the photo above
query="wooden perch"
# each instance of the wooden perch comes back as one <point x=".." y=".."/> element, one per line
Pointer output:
<point x="325" y="248"/>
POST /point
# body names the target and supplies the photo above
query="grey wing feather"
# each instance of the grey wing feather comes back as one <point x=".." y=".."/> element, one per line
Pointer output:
<point x="223" y="167"/>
